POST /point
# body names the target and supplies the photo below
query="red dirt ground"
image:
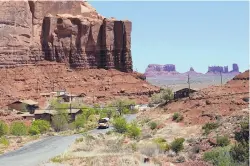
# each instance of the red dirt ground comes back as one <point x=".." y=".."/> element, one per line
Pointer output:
<point x="212" y="102"/>
<point x="100" y="85"/>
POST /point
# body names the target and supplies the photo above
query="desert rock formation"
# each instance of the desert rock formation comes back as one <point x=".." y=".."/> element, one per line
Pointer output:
<point x="154" y="70"/>
<point x="70" y="32"/>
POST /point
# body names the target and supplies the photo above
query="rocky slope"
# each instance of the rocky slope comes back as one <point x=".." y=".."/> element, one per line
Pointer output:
<point x="70" y="32"/>
<point x="209" y="103"/>
<point x="97" y="85"/>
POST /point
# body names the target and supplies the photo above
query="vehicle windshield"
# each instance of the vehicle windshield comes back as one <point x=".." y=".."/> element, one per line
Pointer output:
<point x="103" y="121"/>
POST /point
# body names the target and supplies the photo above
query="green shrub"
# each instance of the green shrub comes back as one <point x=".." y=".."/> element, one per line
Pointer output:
<point x="34" y="130"/>
<point x="209" y="126"/>
<point x="3" y="128"/>
<point x="120" y="125"/>
<point x="156" y="99"/>
<point x="18" y="129"/>
<point x="177" y="145"/>
<point x="177" y="117"/>
<point x="42" y="125"/>
<point x="180" y="118"/>
<point x="222" y="141"/>
<point x="123" y="105"/>
<point x="80" y="121"/>
<point x="60" y="121"/>
<point x="153" y="125"/>
<point x="133" y="130"/>
<point x="167" y="94"/>
<point x="219" y="156"/>
<point x="240" y="152"/>
<point x="243" y="134"/>
<point x="4" y="141"/>
<point x="162" y="143"/>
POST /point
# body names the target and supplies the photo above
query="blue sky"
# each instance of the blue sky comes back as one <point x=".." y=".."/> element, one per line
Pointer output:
<point x="187" y="34"/>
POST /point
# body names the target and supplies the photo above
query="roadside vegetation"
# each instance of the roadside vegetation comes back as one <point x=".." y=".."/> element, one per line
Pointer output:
<point x="177" y="117"/>
<point x="231" y="154"/>
<point x="164" y="96"/>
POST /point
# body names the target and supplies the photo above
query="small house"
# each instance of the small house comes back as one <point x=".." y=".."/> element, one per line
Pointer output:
<point x="48" y="114"/>
<point x="67" y="97"/>
<point x="44" y="114"/>
<point x="28" y="116"/>
<point x="24" y="106"/>
<point x="182" y="93"/>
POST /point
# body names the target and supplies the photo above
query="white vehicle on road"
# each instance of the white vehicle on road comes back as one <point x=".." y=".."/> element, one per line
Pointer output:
<point x="103" y="123"/>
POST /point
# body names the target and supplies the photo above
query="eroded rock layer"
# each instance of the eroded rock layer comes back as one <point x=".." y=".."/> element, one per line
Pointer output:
<point x="70" y="32"/>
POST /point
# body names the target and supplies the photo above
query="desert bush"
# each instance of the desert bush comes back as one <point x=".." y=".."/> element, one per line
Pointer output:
<point x="60" y="121"/>
<point x="120" y="125"/>
<point x="18" y="129"/>
<point x="222" y="141"/>
<point x="219" y="156"/>
<point x="123" y="105"/>
<point x="34" y="130"/>
<point x="162" y="143"/>
<point x="167" y="94"/>
<point x="209" y="126"/>
<point x="240" y="153"/>
<point x="42" y="125"/>
<point x="153" y="125"/>
<point x="133" y="130"/>
<point x="243" y="134"/>
<point x="177" y="117"/>
<point x="80" y="121"/>
<point x="3" y="128"/>
<point x="4" y="141"/>
<point x="156" y="99"/>
<point x="177" y="145"/>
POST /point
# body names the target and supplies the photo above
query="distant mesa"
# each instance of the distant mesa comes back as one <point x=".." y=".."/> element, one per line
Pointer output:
<point x="154" y="70"/>
<point x="221" y="69"/>
<point x="191" y="72"/>
<point x="158" y="70"/>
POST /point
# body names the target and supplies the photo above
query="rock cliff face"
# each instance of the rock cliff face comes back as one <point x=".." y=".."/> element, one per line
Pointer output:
<point x="70" y="32"/>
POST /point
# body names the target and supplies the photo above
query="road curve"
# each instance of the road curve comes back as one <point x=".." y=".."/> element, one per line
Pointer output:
<point x="129" y="118"/>
<point x="38" y="152"/>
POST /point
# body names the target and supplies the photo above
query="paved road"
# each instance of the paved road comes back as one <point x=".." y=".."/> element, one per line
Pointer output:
<point x="129" y="118"/>
<point x="39" y="152"/>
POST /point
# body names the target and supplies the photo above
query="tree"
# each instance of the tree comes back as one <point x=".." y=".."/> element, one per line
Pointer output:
<point x="3" y="128"/>
<point x="60" y="121"/>
<point x="122" y="105"/>
<point x="120" y="125"/>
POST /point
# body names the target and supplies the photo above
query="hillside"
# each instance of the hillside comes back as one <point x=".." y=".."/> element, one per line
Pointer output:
<point x="215" y="101"/>
<point x="99" y="85"/>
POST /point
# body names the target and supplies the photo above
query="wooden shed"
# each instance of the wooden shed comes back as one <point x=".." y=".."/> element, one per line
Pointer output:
<point x="182" y="93"/>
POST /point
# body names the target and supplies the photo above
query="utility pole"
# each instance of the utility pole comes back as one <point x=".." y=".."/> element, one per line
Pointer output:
<point x="70" y="106"/>
<point x="188" y="85"/>
<point x="53" y="88"/>
<point x="220" y="78"/>
<point x="37" y="84"/>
